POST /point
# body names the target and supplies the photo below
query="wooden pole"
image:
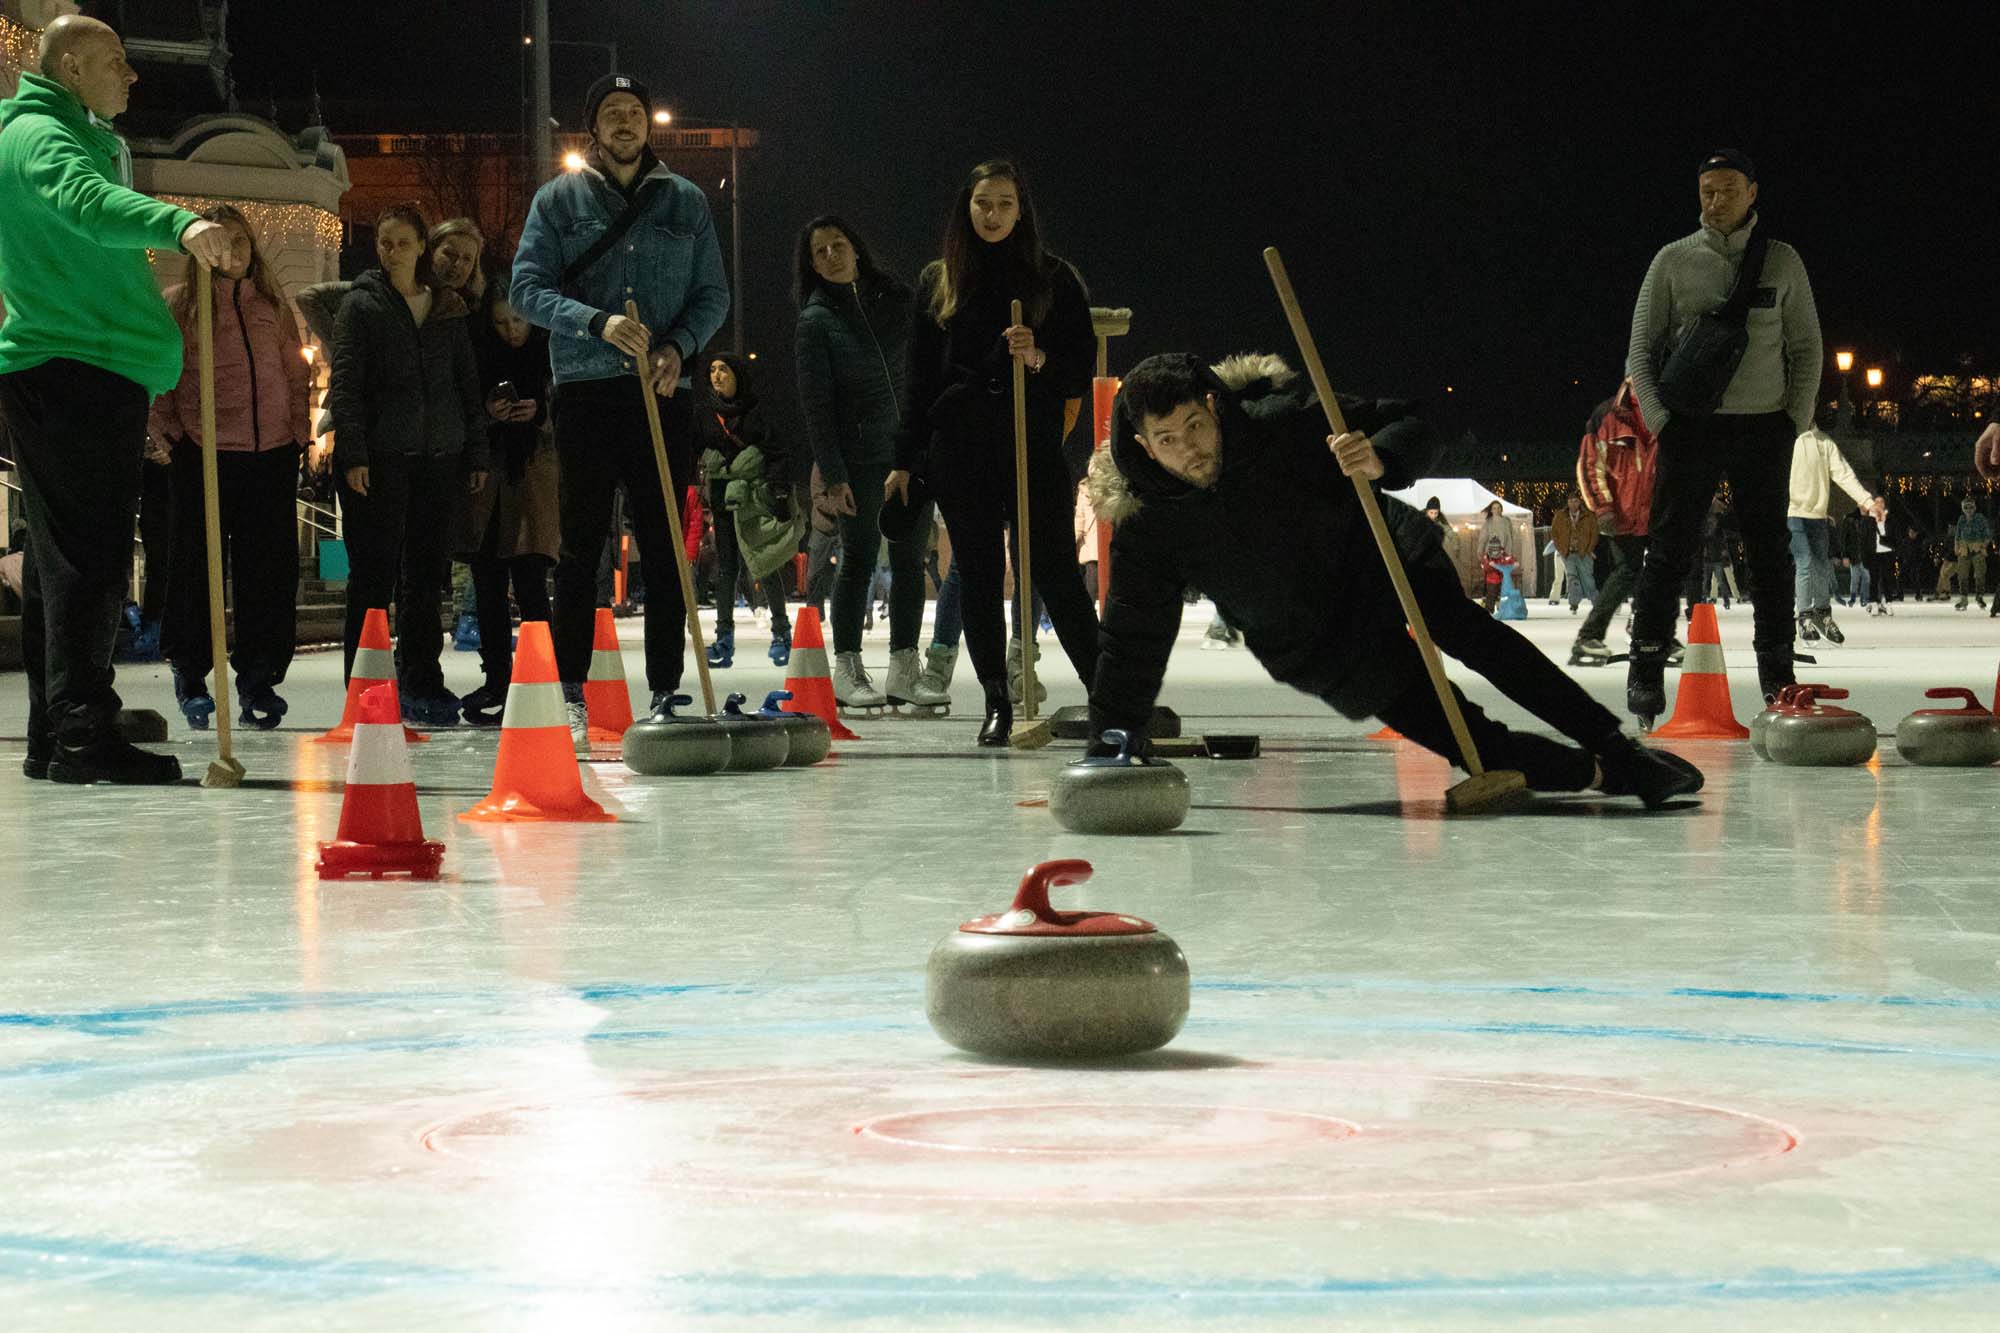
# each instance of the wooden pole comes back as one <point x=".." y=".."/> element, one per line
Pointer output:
<point x="225" y="771"/>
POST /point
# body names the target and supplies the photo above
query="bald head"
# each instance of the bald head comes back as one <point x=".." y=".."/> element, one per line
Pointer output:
<point x="86" y="57"/>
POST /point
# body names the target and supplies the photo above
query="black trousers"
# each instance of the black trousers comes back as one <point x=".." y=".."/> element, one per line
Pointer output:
<point x="602" y="440"/>
<point x="729" y="562"/>
<point x="78" y="434"/>
<point x="398" y="544"/>
<point x="1496" y="651"/>
<point x="860" y="543"/>
<point x="260" y="550"/>
<point x="1755" y="454"/>
<point x="490" y="575"/>
<point x="973" y="480"/>
<point x="156" y="534"/>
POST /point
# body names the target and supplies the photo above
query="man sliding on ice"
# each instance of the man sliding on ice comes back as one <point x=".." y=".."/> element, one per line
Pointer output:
<point x="1223" y="478"/>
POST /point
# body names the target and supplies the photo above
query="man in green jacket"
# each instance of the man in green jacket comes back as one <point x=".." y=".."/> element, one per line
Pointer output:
<point x="86" y="346"/>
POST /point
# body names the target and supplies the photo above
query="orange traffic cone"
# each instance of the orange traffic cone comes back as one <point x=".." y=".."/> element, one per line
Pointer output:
<point x="374" y="664"/>
<point x="605" y="693"/>
<point x="1388" y="733"/>
<point x="535" y="775"/>
<point x="810" y="682"/>
<point x="1701" y="704"/>
<point x="380" y="831"/>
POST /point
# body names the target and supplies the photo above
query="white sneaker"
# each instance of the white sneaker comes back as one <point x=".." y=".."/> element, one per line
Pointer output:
<point x="906" y="687"/>
<point x="851" y="686"/>
<point x="579" y="724"/>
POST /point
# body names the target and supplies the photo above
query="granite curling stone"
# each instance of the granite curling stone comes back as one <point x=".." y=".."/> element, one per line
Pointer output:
<point x="669" y="745"/>
<point x="1811" y="735"/>
<point x="1967" y="737"/>
<point x="809" y="739"/>
<point x="1036" y="983"/>
<point x="1119" y="793"/>
<point x="1761" y="723"/>
<point x="755" y="743"/>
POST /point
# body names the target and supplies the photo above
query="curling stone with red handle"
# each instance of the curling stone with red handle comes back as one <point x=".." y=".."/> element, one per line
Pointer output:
<point x="1967" y="737"/>
<point x="809" y="739"/>
<point x="1762" y="721"/>
<point x="1812" y="735"/>
<point x="1119" y="793"/>
<point x="1036" y="983"/>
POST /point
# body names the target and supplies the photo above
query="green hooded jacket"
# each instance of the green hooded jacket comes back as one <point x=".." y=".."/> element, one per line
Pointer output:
<point x="73" y="242"/>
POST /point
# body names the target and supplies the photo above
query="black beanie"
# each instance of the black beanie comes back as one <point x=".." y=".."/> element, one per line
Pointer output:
<point x="1432" y="503"/>
<point x="604" y="87"/>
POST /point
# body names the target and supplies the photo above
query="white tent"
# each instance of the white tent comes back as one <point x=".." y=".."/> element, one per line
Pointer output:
<point x="1464" y="502"/>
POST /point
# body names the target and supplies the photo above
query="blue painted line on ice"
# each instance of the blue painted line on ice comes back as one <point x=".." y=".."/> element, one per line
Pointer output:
<point x="131" y="1019"/>
<point x="159" y="1271"/>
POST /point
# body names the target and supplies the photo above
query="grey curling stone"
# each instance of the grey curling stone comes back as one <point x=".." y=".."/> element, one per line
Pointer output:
<point x="1760" y="724"/>
<point x="141" y="726"/>
<point x="1036" y="983"/>
<point x="669" y="745"/>
<point x="755" y="743"/>
<point x="1967" y="737"/>
<point x="809" y="738"/>
<point x="1072" y="723"/>
<point x="1119" y="793"/>
<point x="1807" y="735"/>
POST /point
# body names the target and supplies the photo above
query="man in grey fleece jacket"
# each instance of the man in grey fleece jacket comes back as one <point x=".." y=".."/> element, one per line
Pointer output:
<point x="1767" y="405"/>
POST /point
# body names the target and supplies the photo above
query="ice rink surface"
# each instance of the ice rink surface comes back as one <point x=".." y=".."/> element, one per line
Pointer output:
<point x="1733" y="1065"/>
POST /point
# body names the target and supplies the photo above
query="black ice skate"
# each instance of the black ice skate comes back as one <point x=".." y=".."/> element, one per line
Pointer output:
<point x="1808" y="628"/>
<point x="1646" y="683"/>
<point x="1590" y="652"/>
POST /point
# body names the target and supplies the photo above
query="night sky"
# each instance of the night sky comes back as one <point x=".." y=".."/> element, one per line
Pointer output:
<point x="1463" y="199"/>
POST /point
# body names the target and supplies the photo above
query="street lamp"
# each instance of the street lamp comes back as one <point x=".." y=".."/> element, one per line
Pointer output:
<point x="573" y="162"/>
<point x="1844" y="360"/>
<point x="1874" y="377"/>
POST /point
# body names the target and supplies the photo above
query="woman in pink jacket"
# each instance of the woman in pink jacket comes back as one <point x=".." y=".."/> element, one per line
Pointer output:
<point x="261" y="427"/>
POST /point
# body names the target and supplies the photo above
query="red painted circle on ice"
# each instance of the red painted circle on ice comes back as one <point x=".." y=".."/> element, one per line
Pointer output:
<point x="1096" y="1129"/>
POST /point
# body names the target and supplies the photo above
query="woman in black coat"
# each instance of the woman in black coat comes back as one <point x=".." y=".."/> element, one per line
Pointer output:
<point x="959" y="428"/>
<point x="409" y="434"/>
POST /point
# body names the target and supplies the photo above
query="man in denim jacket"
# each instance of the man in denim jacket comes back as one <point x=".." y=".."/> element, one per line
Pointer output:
<point x="667" y="260"/>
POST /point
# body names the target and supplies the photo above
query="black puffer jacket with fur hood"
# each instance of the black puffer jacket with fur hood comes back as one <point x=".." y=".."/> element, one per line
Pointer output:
<point x="1279" y="542"/>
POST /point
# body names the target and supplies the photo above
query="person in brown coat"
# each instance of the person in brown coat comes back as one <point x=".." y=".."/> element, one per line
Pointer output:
<point x="1575" y="538"/>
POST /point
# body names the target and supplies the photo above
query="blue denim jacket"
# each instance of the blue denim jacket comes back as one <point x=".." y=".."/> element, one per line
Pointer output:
<point x="668" y="262"/>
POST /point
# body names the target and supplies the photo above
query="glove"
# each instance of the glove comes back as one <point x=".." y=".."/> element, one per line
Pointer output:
<point x="1986" y="452"/>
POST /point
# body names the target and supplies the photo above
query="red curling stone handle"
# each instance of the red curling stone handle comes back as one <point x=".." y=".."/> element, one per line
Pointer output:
<point x="1033" y="895"/>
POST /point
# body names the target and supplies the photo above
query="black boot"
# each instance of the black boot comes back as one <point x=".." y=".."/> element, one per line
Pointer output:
<point x="112" y="759"/>
<point x="999" y="714"/>
<point x="1646" y="682"/>
<point x="485" y="706"/>
<point x="1654" y="776"/>
<point x="1774" y="673"/>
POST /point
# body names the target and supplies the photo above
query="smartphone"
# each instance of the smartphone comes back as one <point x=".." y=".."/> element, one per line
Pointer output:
<point x="504" y="392"/>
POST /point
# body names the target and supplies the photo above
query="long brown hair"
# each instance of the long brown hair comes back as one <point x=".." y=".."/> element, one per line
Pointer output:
<point x="260" y="271"/>
<point x="949" y="277"/>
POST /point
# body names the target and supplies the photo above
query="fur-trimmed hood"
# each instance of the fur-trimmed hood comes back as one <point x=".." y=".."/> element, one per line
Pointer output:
<point x="1123" y="477"/>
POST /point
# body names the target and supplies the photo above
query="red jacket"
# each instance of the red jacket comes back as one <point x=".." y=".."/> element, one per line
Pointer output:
<point x="1617" y="465"/>
<point x="262" y="383"/>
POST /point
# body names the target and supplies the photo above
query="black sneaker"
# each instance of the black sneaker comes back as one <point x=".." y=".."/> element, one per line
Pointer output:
<point x="36" y="765"/>
<point x="113" y="760"/>
<point x="485" y="706"/>
<point x="1654" y="776"/>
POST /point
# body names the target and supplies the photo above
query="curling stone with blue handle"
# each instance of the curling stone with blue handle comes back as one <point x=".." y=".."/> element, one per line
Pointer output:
<point x="808" y="737"/>
<point x="669" y="745"/>
<point x="1967" y="737"/>
<point x="1119" y="793"/>
<point x="1036" y="983"/>
<point x="755" y="743"/>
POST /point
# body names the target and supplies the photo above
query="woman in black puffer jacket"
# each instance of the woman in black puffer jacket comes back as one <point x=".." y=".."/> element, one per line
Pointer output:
<point x="959" y="427"/>
<point x="409" y="432"/>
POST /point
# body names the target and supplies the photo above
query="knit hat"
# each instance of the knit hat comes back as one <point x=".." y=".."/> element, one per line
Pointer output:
<point x="1728" y="159"/>
<point x="1432" y="503"/>
<point x="607" y="85"/>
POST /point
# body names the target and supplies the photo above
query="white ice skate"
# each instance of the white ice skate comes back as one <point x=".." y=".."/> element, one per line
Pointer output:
<point x="940" y="663"/>
<point x="1014" y="675"/>
<point x="852" y="690"/>
<point x="908" y="695"/>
